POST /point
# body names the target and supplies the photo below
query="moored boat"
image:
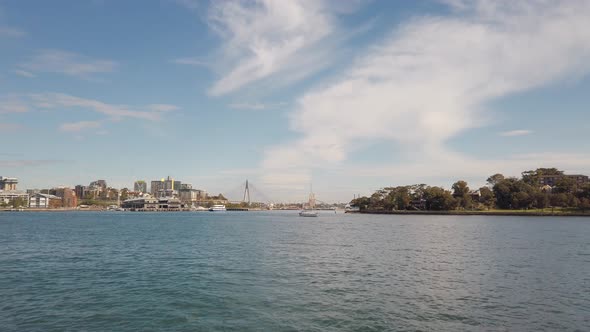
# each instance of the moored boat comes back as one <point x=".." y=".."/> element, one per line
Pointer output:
<point x="217" y="207"/>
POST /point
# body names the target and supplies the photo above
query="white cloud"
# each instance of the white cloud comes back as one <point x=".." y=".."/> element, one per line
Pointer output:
<point x="518" y="132"/>
<point x="431" y="78"/>
<point x="285" y="40"/>
<point x="79" y="126"/>
<point x="67" y="63"/>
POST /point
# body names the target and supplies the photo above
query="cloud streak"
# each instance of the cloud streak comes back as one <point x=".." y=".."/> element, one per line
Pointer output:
<point x="79" y="126"/>
<point x="67" y="63"/>
<point x="518" y="132"/>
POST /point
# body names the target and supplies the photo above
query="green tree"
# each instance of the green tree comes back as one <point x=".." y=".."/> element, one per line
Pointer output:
<point x="565" y="185"/>
<point x="438" y="199"/>
<point x="461" y="194"/>
<point x="495" y="179"/>
<point x="486" y="197"/>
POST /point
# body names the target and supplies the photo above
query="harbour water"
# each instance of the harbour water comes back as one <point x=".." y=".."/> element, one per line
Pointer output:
<point x="275" y="271"/>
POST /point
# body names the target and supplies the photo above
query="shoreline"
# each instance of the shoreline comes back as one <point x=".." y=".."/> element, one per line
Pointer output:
<point x="482" y="213"/>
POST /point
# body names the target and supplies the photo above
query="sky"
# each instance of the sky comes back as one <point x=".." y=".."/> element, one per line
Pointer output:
<point x="347" y="96"/>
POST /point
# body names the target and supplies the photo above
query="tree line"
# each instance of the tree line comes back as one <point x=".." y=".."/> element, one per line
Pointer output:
<point x="501" y="192"/>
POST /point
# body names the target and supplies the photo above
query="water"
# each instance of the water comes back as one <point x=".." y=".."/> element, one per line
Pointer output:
<point x="275" y="271"/>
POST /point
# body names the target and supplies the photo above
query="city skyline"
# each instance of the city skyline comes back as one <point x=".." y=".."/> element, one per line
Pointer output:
<point x="347" y="97"/>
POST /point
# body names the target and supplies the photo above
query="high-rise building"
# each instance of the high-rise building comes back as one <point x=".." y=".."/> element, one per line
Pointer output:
<point x="165" y="187"/>
<point x="81" y="191"/>
<point x="8" y="184"/>
<point x="99" y="183"/>
<point x="140" y="186"/>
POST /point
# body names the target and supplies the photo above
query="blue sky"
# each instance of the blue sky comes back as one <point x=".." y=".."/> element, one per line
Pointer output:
<point x="350" y="96"/>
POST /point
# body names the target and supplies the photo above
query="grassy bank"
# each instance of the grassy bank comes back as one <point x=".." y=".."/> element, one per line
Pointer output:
<point x="531" y="212"/>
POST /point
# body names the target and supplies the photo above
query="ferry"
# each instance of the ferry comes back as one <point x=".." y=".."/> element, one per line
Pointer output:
<point x="217" y="207"/>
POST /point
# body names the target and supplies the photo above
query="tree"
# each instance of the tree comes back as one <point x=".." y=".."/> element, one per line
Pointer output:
<point x="503" y="194"/>
<point x="460" y="188"/>
<point x="486" y="197"/>
<point x="541" y="200"/>
<point x="565" y="185"/>
<point x="461" y="194"/>
<point x="439" y="199"/>
<point x="495" y="179"/>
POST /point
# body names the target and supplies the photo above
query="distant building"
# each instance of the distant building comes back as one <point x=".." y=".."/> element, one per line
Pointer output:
<point x="45" y="201"/>
<point x="68" y="197"/>
<point x="140" y="186"/>
<point x="152" y="204"/>
<point x="99" y="183"/>
<point x="8" y="197"/>
<point x="189" y="196"/>
<point x="552" y="180"/>
<point x="8" y="184"/>
<point x="81" y="191"/>
<point x="165" y="187"/>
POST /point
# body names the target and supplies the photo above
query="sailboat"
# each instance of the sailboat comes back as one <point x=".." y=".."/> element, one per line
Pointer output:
<point x="309" y="211"/>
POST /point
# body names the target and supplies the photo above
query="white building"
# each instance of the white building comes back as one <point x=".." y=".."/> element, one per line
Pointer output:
<point x="8" y="196"/>
<point x="43" y="201"/>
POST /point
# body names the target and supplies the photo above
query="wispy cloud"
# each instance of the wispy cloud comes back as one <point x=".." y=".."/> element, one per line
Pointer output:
<point x="64" y="102"/>
<point x="24" y="73"/>
<point x="519" y="132"/>
<point x="11" y="32"/>
<point x="12" y="104"/>
<point x="113" y="111"/>
<point x="429" y="80"/>
<point x="67" y="63"/>
<point x="263" y="39"/>
<point x="257" y="106"/>
<point x="79" y="126"/>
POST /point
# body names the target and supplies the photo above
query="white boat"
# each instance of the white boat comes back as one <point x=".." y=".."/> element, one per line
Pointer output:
<point x="309" y="211"/>
<point x="217" y="207"/>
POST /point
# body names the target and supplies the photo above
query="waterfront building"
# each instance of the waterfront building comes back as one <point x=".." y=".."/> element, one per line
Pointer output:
<point x="189" y="196"/>
<point x="153" y="204"/>
<point x="68" y="197"/>
<point x="8" y="184"/>
<point x="45" y="201"/>
<point x="140" y="204"/>
<point x="8" y="197"/>
<point x="140" y="186"/>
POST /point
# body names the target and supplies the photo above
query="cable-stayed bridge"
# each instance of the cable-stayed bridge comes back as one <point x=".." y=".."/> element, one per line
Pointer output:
<point x="248" y="193"/>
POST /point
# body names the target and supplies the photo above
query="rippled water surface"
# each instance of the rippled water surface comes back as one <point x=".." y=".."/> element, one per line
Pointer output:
<point x="275" y="271"/>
